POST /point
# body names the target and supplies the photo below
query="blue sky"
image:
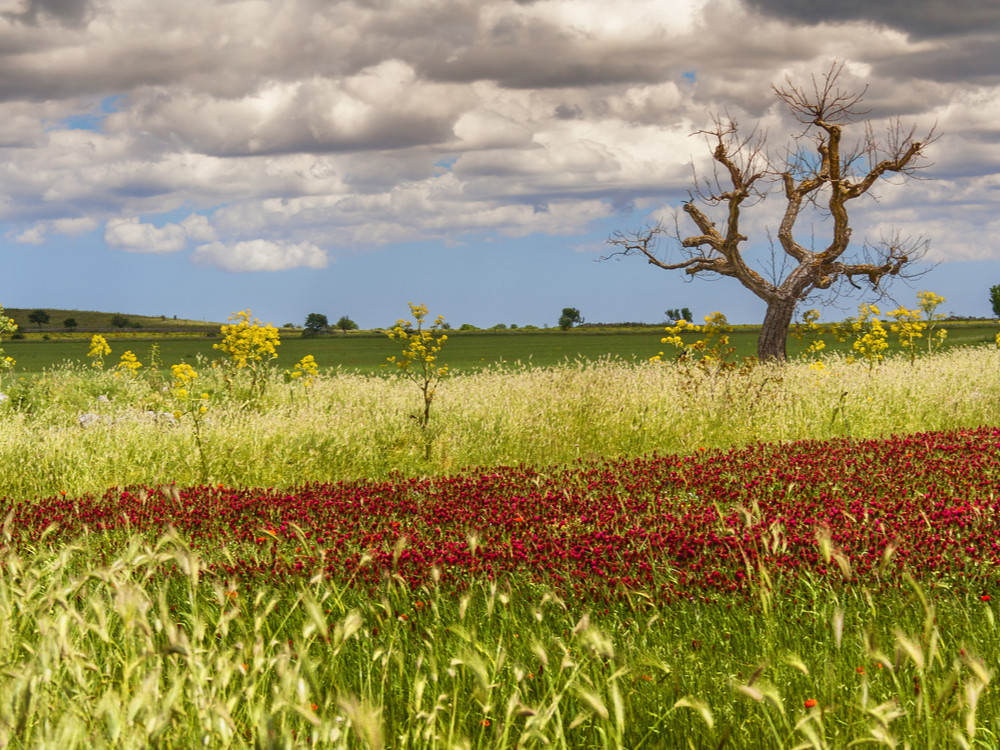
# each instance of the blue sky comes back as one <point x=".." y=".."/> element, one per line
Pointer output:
<point x="195" y="159"/>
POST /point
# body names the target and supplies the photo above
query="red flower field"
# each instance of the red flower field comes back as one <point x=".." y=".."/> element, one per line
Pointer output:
<point x="700" y="526"/>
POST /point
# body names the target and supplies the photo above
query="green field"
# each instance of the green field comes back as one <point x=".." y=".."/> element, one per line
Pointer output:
<point x="464" y="351"/>
<point x="591" y="555"/>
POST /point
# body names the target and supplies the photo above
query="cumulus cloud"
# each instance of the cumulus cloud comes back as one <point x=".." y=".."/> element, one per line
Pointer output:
<point x="260" y="255"/>
<point x="77" y="225"/>
<point x="382" y="107"/>
<point x="36" y="235"/>
<point x="137" y="237"/>
<point x="316" y="124"/>
<point x="32" y="236"/>
<point x="198" y="228"/>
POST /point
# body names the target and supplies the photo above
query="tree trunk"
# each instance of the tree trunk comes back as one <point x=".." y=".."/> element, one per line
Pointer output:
<point x="774" y="331"/>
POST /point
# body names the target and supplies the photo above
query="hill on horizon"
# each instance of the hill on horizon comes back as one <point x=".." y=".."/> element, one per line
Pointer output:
<point x="93" y="320"/>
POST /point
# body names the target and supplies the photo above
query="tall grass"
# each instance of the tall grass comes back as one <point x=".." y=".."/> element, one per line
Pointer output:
<point x="78" y="431"/>
<point x="116" y="655"/>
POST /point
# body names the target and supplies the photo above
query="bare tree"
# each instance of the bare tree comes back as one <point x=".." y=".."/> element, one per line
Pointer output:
<point x="818" y="171"/>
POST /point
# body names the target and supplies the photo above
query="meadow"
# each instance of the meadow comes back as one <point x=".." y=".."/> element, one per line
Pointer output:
<point x="596" y="553"/>
<point x="360" y="352"/>
<point x="366" y="351"/>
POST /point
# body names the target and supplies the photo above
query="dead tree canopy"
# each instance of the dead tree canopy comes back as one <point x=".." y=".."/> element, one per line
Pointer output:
<point x="818" y="170"/>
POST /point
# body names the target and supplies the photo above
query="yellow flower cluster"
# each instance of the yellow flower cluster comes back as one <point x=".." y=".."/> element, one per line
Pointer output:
<point x="909" y="327"/>
<point x="128" y="366"/>
<point x="248" y="342"/>
<point x="417" y="361"/>
<point x="306" y="370"/>
<point x="714" y="345"/>
<point x="929" y="302"/>
<point x="673" y="336"/>
<point x="871" y="336"/>
<point x="99" y="349"/>
<point x="810" y="330"/>
<point x="716" y="330"/>
<point x="251" y="345"/>
<point x="7" y="325"/>
<point x="184" y="376"/>
<point x="420" y="345"/>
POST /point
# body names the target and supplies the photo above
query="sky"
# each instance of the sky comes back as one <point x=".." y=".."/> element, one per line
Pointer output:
<point x="199" y="157"/>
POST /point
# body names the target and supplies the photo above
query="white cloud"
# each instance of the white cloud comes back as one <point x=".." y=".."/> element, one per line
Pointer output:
<point x="198" y="228"/>
<point x="383" y="107"/>
<point x="259" y="255"/>
<point x="318" y="124"/>
<point x="33" y="236"/>
<point x="36" y="235"/>
<point x="137" y="237"/>
<point x="487" y="130"/>
<point x="74" y="226"/>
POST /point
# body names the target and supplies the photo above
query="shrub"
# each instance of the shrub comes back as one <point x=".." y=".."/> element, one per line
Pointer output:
<point x="251" y="347"/>
<point x="418" y="360"/>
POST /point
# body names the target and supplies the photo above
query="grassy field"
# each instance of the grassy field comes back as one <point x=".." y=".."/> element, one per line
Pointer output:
<point x="596" y="554"/>
<point x="366" y="352"/>
<point x="94" y="320"/>
<point x="361" y="352"/>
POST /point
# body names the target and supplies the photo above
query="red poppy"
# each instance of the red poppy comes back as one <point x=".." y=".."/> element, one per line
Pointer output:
<point x="812" y="702"/>
<point x="985" y="597"/>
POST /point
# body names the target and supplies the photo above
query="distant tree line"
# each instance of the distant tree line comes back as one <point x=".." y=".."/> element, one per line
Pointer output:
<point x="317" y="323"/>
